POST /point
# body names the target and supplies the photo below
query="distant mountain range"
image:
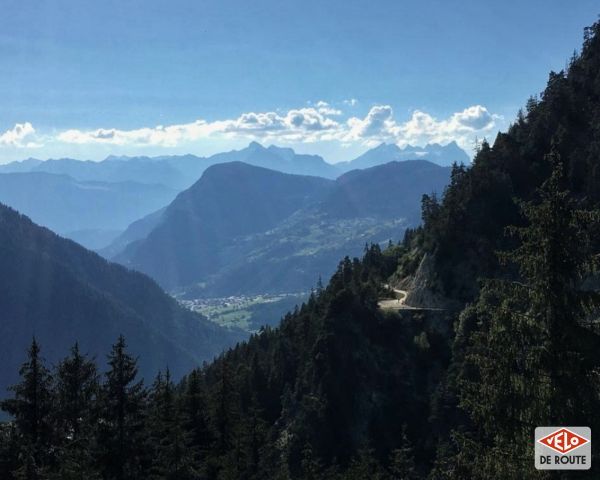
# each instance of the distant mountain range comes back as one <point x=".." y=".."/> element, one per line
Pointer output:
<point x="61" y="293"/>
<point x="444" y="155"/>
<point x="246" y="229"/>
<point x="94" y="202"/>
<point x="175" y="172"/>
<point x="280" y="159"/>
<point x="90" y="212"/>
<point x="181" y="171"/>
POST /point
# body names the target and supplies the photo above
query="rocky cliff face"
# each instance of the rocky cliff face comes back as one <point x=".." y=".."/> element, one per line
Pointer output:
<point x="423" y="290"/>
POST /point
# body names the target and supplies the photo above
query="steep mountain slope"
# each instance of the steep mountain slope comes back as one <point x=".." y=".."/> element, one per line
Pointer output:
<point x="463" y="233"/>
<point x="71" y="207"/>
<point x="61" y="293"/>
<point x="351" y="375"/>
<point x="201" y="227"/>
<point x="243" y="229"/>
<point x="390" y="190"/>
<point x="136" y="231"/>
<point x="375" y="205"/>
<point x="528" y="331"/>
<point x="444" y="155"/>
<point x="337" y="375"/>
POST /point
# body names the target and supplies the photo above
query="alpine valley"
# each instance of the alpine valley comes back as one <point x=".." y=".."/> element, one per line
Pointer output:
<point x="255" y="227"/>
<point x="261" y="314"/>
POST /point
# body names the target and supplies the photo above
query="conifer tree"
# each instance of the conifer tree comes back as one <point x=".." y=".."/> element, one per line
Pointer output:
<point x="530" y="359"/>
<point x="225" y="461"/>
<point x="365" y="465"/>
<point x="171" y="457"/>
<point x="311" y="467"/>
<point x="9" y="450"/>
<point x="122" y="417"/>
<point x="195" y="415"/>
<point x="402" y="461"/>
<point x="76" y="416"/>
<point x="31" y="408"/>
<point x="224" y="408"/>
<point x="253" y="436"/>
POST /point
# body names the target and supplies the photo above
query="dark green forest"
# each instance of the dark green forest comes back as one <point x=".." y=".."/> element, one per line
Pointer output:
<point x="344" y="390"/>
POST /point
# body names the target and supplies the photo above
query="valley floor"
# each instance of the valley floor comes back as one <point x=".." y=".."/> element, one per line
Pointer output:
<point x="247" y="312"/>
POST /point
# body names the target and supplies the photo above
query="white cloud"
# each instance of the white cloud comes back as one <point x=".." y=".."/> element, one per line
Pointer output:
<point x="460" y="126"/>
<point x="378" y="124"/>
<point x="421" y="128"/>
<point x="296" y="121"/>
<point x="475" y="118"/>
<point x="168" y="136"/>
<point x="325" y="109"/>
<point x="319" y="122"/>
<point x="20" y="136"/>
<point x="303" y="124"/>
<point x="351" y="102"/>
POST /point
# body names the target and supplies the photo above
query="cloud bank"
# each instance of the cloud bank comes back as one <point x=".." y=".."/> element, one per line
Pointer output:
<point x="318" y="122"/>
<point x="20" y="136"/>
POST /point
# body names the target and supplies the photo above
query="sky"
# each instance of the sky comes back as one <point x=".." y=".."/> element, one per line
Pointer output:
<point x="87" y="79"/>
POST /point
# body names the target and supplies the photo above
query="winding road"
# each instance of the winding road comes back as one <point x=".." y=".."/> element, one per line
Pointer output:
<point x="395" y="303"/>
<point x="399" y="303"/>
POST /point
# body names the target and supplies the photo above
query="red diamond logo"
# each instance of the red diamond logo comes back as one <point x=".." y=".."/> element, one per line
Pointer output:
<point x="563" y="441"/>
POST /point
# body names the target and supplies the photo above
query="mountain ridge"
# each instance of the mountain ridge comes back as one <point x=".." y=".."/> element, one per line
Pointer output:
<point x="181" y="171"/>
<point x="443" y="155"/>
<point x="289" y="253"/>
<point x="60" y="292"/>
<point x="67" y="206"/>
<point x="217" y="207"/>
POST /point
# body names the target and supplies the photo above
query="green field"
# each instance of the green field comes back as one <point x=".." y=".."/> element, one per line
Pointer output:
<point x="248" y="313"/>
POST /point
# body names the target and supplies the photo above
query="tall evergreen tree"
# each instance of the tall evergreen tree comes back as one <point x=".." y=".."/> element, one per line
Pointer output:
<point x="531" y="360"/>
<point x="402" y="461"/>
<point x="253" y="436"/>
<point x="121" y="435"/>
<point x="76" y="416"/>
<point x="171" y="458"/>
<point x="365" y="465"/>
<point x="310" y="466"/>
<point x="225" y="408"/>
<point x="9" y="451"/>
<point x="195" y="415"/>
<point x="31" y="408"/>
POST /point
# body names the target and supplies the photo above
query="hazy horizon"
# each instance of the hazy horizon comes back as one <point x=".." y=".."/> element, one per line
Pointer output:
<point x="87" y="80"/>
<point x="303" y="149"/>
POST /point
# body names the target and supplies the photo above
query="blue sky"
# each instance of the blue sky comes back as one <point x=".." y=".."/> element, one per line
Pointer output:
<point x="87" y="79"/>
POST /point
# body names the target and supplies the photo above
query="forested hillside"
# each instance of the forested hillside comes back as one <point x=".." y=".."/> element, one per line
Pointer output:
<point x="345" y="390"/>
<point x="200" y="232"/>
<point x="243" y="229"/>
<point x="324" y="389"/>
<point x="61" y="293"/>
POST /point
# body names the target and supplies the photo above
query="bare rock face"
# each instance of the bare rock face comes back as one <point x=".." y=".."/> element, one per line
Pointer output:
<point x="423" y="291"/>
